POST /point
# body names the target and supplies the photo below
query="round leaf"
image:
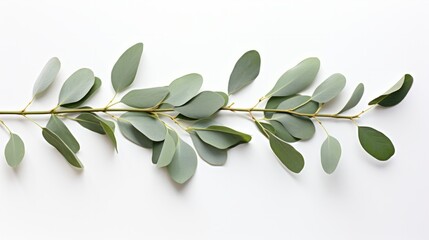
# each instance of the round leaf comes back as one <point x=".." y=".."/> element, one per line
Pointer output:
<point x="76" y="86"/>
<point x="376" y="143"/>
<point x="222" y="137"/>
<point x="125" y="70"/>
<point x="150" y="126"/>
<point x="354" y="99"/>
<point x="47" y="76"/>
<point x="281" y="132"/>
<point x="245" y="71"/>
<point x="145" y="98"/>
<point x="330" y="154"/>
<point x="203" y="105"/>
<point x="208" y="153"/>
<point x="14" y="150"/>
<point x="133" y="135"/>
<point x="299" y="127"/>
<point x="183" y="89"/>
<point x="94" y="88"/>
<point x="330" y="88"/>
<point x="287" y="154"/>
<point x="184" y="163"/>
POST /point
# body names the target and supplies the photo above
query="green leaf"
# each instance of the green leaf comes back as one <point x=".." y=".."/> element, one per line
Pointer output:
<point x="167" y="150"/>
<point x="245" y="71"/>
<point x="296" y="79"/>
<point x="263" y="127"/>
<point x="281" y="132"/>
<point x="375" y="143"/>
<point x="110" y="132"/>
<point x="300" y="104"/>
<point x="150" y="126"/>
<point x="299" y="127"/>
<point x="47" y="76"/>
<point x="225" y="98"/>
<point x="203" y="105"/>
<point x="56" y="142"/>
<point x="287" y="154"/>
<point x="76" y="86"/>
<point x="273" y="103"/>
<point x="354" y="99"/>
<point x="125" y="70"/>
<point x="184" y="163"/>
<point x="222" y="137"/>
<point x="396" y="93"/>
<point x="210" y="154"/>
<point x="94" y="88"/>
<point x="14" y="150"/>
<point x="145" y="98"/>
<point x="183" y="89"/>
<point x="92" y="122"/>
<point x="330" y="88"/>
<point x="133" y="135"/>
<point x="60" y="129"/>
<point x="330" y="154"/>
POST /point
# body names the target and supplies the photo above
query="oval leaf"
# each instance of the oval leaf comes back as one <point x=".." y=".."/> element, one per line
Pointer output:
<point x="245" y="71"/>
<point x="167" y="151"/>
<point x="210" y="154"/>
<point x="299" y="127"/>
<point x="56" y="142"/>
<point x="222" y="137"/>
<point x="296" y="79"/>
<point x="150" y="126"/>
<point x="203" y="105"/>
<point x="300" y="104"/>
<point x="110" y="132"/>
<point x="396" y="93"/>
<point x="60" y="129"/>
<point x="145" y="98"/>
<point x="330" y="154"/>
<point x="282" y="132"/>
<point x="354" y="99"/>
<point x="125" y="70"/>
<point x="94" y="88"/>
<point x="47" y="76"/>
<point x="184" y="163"/>
<point x="133" y="135"/>
<point x="184" y="89"/>
<point x="287" y="154"/>
<point x="14" y="150"/>
<point x="375" y="143"/>
<point x="92" y="122"/>
<point x="76" y="86"/>
<point x="330" y="88"/>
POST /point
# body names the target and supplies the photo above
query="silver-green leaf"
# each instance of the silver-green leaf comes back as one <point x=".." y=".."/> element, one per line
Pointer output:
<point x="125" y="70"/>
<point x="59" y="144"/>
<point x="133" y="135"/>
<point x="94" y="88"/>
<point x="203" y="105"/>
<point x="296" y="79"/>
<point x="60" y="129"/>
<point x="184" y="89"/>
<point x="76" y="86"/>
<point x="329" y="89"/>
<point x="287" y="154"/>
<point x="354" y="99"/>
<point x="92" y="122"/>
<point x="145" y="98"/>
<point x="376" y="143"/>
<point x="14" y="150"/>
<point x="299" y="127"/>
<point x="167" y="149"/>
<point x="330" y="154"/>
<point x="210" y="154"/>
<point x="147" y="124"/>
<point x="245" y="71"/>
<point x="110" y="132"/>
<point x="222" y="137"/>
<point x="184" y="163"/>
<point x="47" y="76"/>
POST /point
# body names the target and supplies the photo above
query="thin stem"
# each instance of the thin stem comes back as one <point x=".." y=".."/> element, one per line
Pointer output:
<point x="28" y="104"/>
<point x="32" y="121"/>
<point x="109" y="104"/>
<point x="6" y="127"/>
<point x="174" y="120"/>
<point x="320" y="123"/>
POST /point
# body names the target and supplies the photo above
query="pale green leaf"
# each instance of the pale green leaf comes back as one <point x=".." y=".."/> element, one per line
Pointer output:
<point x="94" y="88"/>
<point x="222" y="137"/>
<point x="76" y="86"/>
<point x="149" y="125"/>
<point x="133" y="135"/>
<point x="110" y="132"/>
<point x="296" y="79"/>
<point x="14" y="150"/>
<point x="210" y="154"/>
<point x="330" y="154"/>
<point x="184" y="89"/>
<point x="354" y="99"/>
<point x="225" y="98"/>
<point x="396" y="93"/>
<point x="56" y="142"/>
<point x="168" y="148"/>
<point x="329" y="89"/>
<point x="60" y="129"/>
<point x="287" y="154"/>
<point x="92" y="122"/>
<point x="245" y="71"/>
<point x="145" y="98"/>
<point x="376" y="143"/>
<point x="281" y="132"/>
<point x="203" y="105"/>
<point x="125" y="70"/>
<point x="47" y="76"/>
<point x="299" y="127"/>
<point x="183" y="164"/>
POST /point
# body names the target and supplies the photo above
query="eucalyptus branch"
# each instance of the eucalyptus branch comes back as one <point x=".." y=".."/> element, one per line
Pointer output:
<point x="288" y="115"/>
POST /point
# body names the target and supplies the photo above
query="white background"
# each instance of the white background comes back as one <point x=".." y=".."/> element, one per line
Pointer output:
<point x="125" y="197"/>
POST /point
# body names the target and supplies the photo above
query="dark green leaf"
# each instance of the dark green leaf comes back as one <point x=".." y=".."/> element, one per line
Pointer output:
<point x="222" y="137"/>
<point x="245" y="71"/>
<point x="263" y="127"/>
<point x="47" y="76"/>
<point x="56" y="142"/>
<point x="287" y="154"/>
<point x="125" y="70"/>
<point x="376" y="143"/>
<point x="208" y="153"/>
<point x="145" y="98"/>
<point x="91" y="121"/>
<point x="60" y="129"/>
<point x="354" y="99"/>
<point x="94" y="88"/>
<point x="330" y="154"/>
<point x="296" y="79"/>
<point x="203" y="105"/>
<point x="184" y="89"/>
<point x="329" y="89"/>
<point x="396" y="93"/>
<point x="282" y="132"/>
<point x="76" y="86"/>
<point x="14" y="150"/>
<point x="184" y="163"/>
<point x="149" y="125"/>
<point x="133" y="135"/>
